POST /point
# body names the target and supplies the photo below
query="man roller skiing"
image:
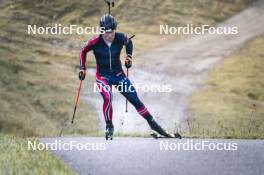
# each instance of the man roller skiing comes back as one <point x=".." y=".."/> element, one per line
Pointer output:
<point x="107" y="48"/>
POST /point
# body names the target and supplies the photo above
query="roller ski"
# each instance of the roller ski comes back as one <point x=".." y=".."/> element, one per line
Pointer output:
<point x="157" y="136"/>
<point x="162" y="133"/>
<point x="109" y="132"/>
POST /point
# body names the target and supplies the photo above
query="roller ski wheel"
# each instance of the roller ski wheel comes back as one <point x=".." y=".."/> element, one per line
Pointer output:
<point x="158" y="136"/>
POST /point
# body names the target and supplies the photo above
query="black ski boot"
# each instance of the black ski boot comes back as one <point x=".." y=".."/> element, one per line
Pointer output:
<point x="156" y="127"/>
<point x="109" y="132"/>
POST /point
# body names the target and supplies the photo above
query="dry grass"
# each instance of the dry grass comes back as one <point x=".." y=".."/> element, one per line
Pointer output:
<point x="38" y="79"/>
<point x="232" y="102"/>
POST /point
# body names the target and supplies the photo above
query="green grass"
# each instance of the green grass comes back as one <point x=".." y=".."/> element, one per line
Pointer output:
<point x="15" y="158"/>
<point x="232" y="102"/>
<point x="38" y="73"/>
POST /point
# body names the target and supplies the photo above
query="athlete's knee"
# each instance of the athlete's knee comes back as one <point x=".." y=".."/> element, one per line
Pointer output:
<point x="143" y="111"/>
<point x="107" y="98"/>
<point x="137" y="103"/>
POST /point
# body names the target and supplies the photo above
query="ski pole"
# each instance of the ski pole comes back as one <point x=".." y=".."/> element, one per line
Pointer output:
<point x="126" y="99"/>
<point x="76" y="104"/>
<point x="110" y="3"/>
<point x="77" y="100"/>
<point x="127" y="68"/>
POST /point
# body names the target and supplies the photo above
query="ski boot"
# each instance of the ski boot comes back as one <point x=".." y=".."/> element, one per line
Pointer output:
<point x="109" y="131"/>
<point x="156" y="127"/>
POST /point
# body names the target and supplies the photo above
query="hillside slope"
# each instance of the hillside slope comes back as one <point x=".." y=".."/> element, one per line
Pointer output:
<point x="234" y="93"/>
<point x="38" y="79"/>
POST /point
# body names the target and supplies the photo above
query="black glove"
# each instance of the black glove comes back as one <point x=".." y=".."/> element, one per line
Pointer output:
<point x="128" y="62"/>
<point x="82" y="74"/>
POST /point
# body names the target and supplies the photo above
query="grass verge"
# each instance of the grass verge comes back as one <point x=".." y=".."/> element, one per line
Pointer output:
<point x="15" y="158"/>
<point x="231" y="104"/>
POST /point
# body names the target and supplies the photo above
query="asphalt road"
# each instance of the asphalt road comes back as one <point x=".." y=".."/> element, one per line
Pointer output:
<point x="147" y="156"/>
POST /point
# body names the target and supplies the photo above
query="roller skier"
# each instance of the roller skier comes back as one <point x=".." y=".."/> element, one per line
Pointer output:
<point x="107" y="48"/>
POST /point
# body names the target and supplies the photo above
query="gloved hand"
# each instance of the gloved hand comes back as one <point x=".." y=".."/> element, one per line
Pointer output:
<point x="82" y="74"/>
<point x="128" y="62"/>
